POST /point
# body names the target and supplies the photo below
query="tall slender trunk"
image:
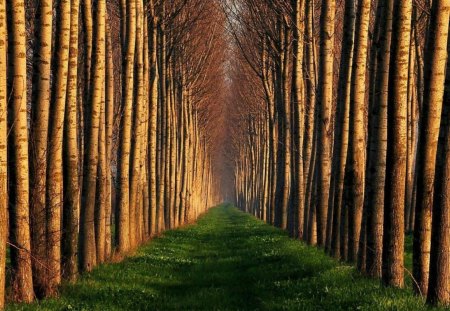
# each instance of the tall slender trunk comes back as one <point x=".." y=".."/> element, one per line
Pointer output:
<point x="123" y="198"/>
<point x="325" y="107"/>
<point x="299" y="119"/>
<point x="101" y="193"/>
<point x="19" y="192"/>
<point x="109" y="110"/>
<point x="356" y="149"/>
<point x="137" y="125"/>
<point x="376" y="167"/>
<point x="310" y="119"/>
<point x="38" y="163"/>
<point x="153" y="110"/>
<point x="71" y="208"/>
<point x="3" y="151"/>
<point x="439" y="285"/>
<point x="55" y="155"/>
<point x="88" y="258"/>
<point x="342" y="126"/>
<point x="393" y="235"/>
<point x="430" y="120"/>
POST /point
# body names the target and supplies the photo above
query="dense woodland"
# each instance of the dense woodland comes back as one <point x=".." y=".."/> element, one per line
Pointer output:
<point x="121" y="119"/>
<point x="105" y="131"/>
<point x="340" y="130"/>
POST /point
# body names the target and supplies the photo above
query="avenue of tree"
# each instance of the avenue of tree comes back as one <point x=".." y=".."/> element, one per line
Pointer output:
<point x="106" y="111"/>
<point x="341" y="129"/>
<point x="120" y="119"/>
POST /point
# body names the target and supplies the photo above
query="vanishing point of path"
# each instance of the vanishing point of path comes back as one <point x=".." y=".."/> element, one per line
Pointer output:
<point x="227" y="261"/>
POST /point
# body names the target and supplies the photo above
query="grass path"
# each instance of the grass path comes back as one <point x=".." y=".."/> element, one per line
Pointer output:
<point x="228" y="261"/>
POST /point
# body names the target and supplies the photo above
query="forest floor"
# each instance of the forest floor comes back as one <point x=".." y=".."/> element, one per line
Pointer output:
<point x="227" y="261"/>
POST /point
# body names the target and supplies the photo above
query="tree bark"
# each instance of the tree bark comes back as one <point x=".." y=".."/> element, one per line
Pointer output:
<point x="393" y="236"/>
<point x="71" y="158"/>
<point x="355" y="167"/>
<point x="325" y="106"/>
<point x="38" y="163"/>
<point x="55" y="156"/>
<point x="123" y="200"/>
<point x="430" y="120"/>
<point x="376" y="167"/>
<point x="88" y="254"/>
<point x="19" y="192"/>
<point x="3" y="151"/>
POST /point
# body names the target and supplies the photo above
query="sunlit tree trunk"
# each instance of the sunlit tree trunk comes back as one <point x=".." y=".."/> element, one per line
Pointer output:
<point x="71" y="208"/>
<point x="123" y="198"/>
<point x="439" y="284"/>
<point x="153" y="110"/>
<point x="376" y="167"/>
<point x="162" y="107"/>
<point x="309" y="109"/>
<point x="19" y="170"/>
<point x="411" y="134"/>
<point x="299" y="119"/>
<point x="356" y="149"/>
<point x="325" y="107"/>
<point x="101" y="193"/>
<point x="341" y="126"/>
<point x="109" y="119"/>
<point x="39" y="136"/>
<point x="88" y="258"/>
<point x="430" y="120"/>
<point x="55" y="155"/>
<point x="393" y="236"/>
<point x="137" y="126"/>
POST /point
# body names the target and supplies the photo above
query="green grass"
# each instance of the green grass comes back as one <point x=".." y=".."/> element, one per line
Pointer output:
<point x="228" y="261"/>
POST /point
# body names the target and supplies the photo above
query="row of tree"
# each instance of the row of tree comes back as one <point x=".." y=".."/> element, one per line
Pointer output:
<point x="346" y="143"/>
<point x="105" y="122"/>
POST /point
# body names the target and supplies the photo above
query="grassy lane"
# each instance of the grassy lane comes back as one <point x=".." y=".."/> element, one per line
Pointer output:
<point x="228" y="261"/>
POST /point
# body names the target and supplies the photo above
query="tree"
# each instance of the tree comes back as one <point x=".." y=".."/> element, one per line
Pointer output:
<point x="299" y="118"/>
<point x="55" y="156"/>
<point x="357" y="157"/>
<point x="376" y="168"/>
<point x="19" y="165"/>
<point x="38" y="163"/>
<point x="71" y="158"/>
<point x="342" y="126"/>
<point x="3" y="151"/>
<point x="430" y="121"/>
<point x="393" y="235"/>
<point x="88" y="258"/>
<point x="439" y="284"/>
<point x="123" y="208"/>
<point x="325" y="106"/>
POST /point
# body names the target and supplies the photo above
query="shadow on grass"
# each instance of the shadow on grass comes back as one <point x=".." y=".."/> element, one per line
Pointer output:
<point x="228" y="261"/>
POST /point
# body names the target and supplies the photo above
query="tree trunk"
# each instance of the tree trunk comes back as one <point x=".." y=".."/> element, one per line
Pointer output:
<point x="123" y="200"/>
<point x="430" y="120"/>
<point x="342" y="125"/>
<point x="71" y="207"/>
<point x="19" y="191"/>
<point x="439" y="285"/>
<point x="325" y="106"/>
<point x="357" y="145"/>
<point x="55" y="156"/>
<point x="3" y="151"/>
<point x="88" y="256"/>
<point x="299" y="119"/>
<point x="393" y="236"/>
<point x="109" y="110"/>
<point x="38" y="163"/>
<point x="376" y="167"/>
